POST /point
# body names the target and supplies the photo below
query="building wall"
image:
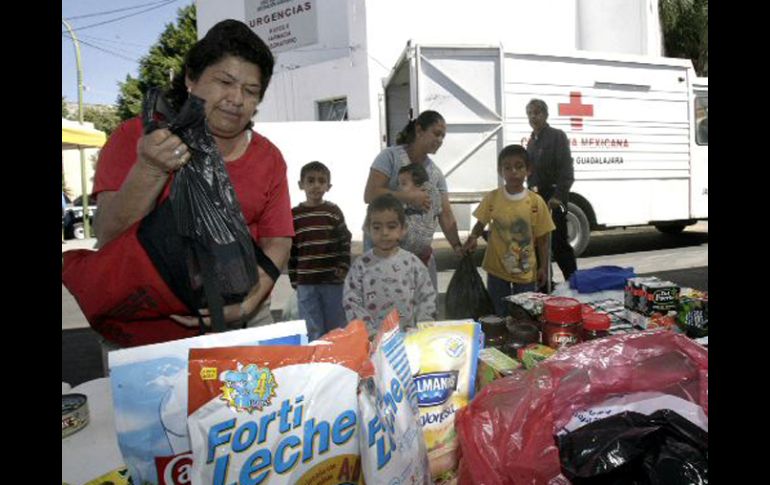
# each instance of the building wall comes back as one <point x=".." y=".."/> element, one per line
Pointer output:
<point x="348" y="149"/>
<point x="335" y="66"/>
<point x="359" y="42"/>
<point x="630" y="26"/>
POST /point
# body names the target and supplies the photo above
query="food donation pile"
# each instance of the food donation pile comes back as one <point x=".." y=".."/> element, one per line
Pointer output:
<point x="498" y="400"/>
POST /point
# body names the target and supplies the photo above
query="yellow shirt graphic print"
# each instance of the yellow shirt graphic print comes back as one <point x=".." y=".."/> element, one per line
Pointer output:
<point x="514" y="226"/>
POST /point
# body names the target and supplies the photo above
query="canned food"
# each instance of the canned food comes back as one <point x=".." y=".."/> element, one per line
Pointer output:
<point x="495" y="332"/>
<point x="521" y="335"/>
<point x="74" y="413"/>
<point x="661" y="297"/>
<point x="563" y="317"/>
<point x="596" y="325"/>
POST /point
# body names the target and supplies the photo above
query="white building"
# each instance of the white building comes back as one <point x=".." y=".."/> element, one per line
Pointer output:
<point x="332" y="57"/>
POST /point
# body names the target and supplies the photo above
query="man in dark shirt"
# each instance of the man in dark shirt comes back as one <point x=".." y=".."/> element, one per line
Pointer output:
<point x="552" y="177"/>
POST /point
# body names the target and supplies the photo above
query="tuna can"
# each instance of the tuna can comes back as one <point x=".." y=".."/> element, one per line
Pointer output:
<point x="495" y="332"/>
<point x="521" y="335"/>
<point x="563" y="318"/>
<point x="74" y="413"/>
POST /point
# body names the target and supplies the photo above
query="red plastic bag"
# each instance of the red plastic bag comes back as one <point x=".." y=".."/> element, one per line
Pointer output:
<point x="122" y="294"/>
<point x="507" y="432"/>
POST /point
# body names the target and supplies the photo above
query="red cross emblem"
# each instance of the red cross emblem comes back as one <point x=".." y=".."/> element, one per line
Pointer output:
<point x="575" y="109"/>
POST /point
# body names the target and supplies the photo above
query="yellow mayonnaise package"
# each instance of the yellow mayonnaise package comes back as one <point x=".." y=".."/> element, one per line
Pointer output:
<point x="443" y="358"/>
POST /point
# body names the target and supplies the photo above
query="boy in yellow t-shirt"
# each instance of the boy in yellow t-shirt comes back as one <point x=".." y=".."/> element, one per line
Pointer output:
<point x="519" y="223"/>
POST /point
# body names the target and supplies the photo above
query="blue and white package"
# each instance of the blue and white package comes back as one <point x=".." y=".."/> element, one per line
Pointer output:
<point x="149" y="391"/>
<point x="391" y="440"/>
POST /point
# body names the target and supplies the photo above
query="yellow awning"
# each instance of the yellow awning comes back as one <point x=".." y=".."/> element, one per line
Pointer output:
<point x="74" y="135"/>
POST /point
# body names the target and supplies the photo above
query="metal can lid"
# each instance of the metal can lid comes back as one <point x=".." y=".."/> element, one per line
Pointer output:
<point x="562" y="310"/>
<point x="74" y="413"/>
<point x="71" y="402"/>
<point x="492" y="325"/>
<point x="524" y="333"/>
<point x="596" y="321"/>
<point x="491" y="320"/>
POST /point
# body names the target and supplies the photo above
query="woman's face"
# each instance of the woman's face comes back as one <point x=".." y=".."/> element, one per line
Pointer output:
<point x="432" y="137"/>
<point x="231" y="90"/>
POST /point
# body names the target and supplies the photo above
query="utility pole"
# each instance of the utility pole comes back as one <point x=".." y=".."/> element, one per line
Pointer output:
<point x="83" y="177"/>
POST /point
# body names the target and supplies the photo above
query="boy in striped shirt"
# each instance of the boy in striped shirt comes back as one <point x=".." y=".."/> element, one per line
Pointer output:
<point x="320" y="254"/>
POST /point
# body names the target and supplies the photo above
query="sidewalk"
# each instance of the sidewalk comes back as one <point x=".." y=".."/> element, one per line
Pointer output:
<point x="643" y="262"/>
<point x="81" y="352"/>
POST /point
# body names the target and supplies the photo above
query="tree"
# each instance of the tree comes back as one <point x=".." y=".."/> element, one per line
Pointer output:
<point x="130" y="98"/>
<point x="685" y="31"/>
<point x="104" y="118"/>
<point x="65" y="113"/>
<point x="163" y="61"/>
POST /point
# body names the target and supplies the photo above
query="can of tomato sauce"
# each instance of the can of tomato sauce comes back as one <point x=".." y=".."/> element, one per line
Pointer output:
<point x="562" y="322"/>
<point x="596" y="325"/>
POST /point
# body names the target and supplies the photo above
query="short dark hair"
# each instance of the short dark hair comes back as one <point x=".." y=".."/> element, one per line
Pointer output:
<point x="417" y="171"/>
<point x="386" y="202"/>
<point x="314" y="166"/>
<point x="426" y="119"/>
<point x="513" y="151"/>
<point x="226" y="38"/>
<point x="540" y="104"/>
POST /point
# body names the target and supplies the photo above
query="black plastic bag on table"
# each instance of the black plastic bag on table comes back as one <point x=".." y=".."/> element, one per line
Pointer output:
<point x="466" y="295"/>
<point x="203" y="216"/>
<point x="633" y="448"/>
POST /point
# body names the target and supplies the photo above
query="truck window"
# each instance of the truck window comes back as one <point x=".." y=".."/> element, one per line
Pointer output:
<point x="702" y="120"/>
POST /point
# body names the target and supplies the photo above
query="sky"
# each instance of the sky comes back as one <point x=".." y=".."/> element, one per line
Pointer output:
<point x="110" y="51"/>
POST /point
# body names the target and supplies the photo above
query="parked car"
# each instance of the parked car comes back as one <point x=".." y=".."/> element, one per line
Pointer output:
<point x="72" y="221"/>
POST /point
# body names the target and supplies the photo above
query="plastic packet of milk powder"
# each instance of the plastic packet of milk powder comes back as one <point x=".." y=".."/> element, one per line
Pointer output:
<point x="392" y="445"/>
<point x="280" y="414"/>
<point x="149" y="392"/>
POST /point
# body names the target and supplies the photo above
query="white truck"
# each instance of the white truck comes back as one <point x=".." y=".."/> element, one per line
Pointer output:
<point x="638" y="128"/>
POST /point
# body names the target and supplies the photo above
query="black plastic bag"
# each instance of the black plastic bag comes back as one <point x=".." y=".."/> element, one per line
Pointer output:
<point x="466" y="295"/>
<point x="632" y="448"/>
<point x="202" y="216"/>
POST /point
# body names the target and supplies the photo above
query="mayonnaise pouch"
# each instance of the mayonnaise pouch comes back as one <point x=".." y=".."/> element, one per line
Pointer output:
<point x="443" y="359"/>
<point x="278" y="415"/>
<point x="392" y="444"/>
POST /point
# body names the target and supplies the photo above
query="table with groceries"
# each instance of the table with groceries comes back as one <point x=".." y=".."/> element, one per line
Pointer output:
<point x="608" y="385"/>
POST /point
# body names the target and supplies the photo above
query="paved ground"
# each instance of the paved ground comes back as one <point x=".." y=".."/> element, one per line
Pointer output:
<point x="682" y="259"/>
<point x="616" y="247"/>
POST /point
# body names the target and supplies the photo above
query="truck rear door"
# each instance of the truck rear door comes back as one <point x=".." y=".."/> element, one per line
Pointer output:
<point x="464" y="84"/>
<point x="699" y="168"/>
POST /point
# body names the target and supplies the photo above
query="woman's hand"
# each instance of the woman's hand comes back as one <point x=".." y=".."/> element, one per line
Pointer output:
<point x="233" y="314"/>
<point x="459" y="250"/>
<point x="419" y="198"/>
<point x="470" y="244"/>
<point x="162" y="151"/>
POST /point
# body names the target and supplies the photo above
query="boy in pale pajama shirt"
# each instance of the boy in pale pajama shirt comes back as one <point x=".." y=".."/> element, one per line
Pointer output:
<point x="386" y="276"/>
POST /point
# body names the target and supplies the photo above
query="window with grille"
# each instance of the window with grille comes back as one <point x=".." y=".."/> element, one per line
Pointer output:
<point x="333" y="109"/>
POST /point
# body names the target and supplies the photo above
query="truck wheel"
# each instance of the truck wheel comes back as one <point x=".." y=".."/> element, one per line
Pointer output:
<point x="578" y="229"/>
<point x="670" y="228"/>
<point x="78" y="231"/>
